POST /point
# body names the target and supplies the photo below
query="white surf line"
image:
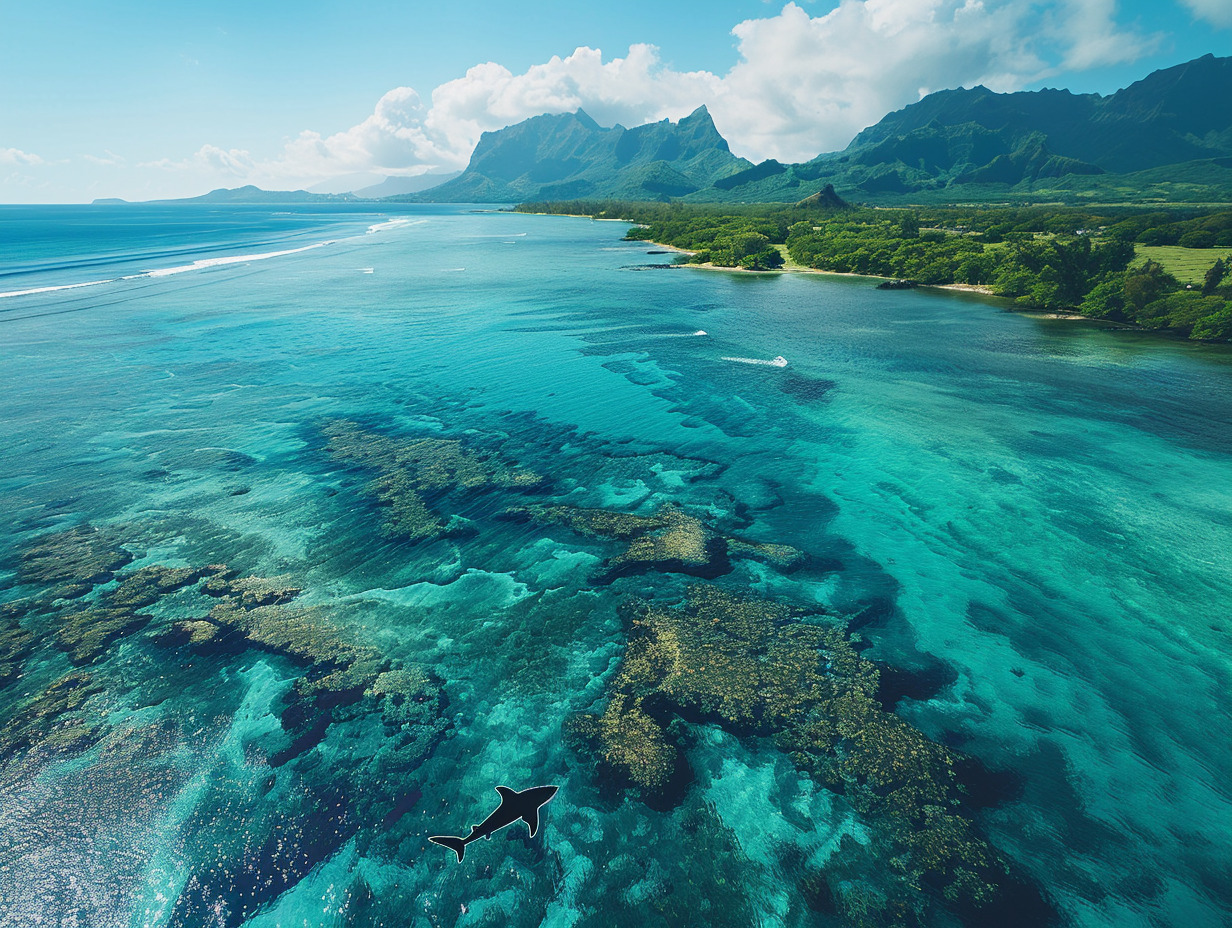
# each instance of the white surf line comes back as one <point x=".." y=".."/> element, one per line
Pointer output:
<point x="170" y="271"/>
<point x="780" y="361"/>
<point x="220" y="262"/>
<point x="393" y="224"/>
<point x="88" y="283"/>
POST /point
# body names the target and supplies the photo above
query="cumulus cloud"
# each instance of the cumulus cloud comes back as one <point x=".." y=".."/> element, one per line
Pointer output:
<point x="808" y="84"/>
<point x="15" y="156"/>
<point x="802" y="84"/>
<point x="1216" y="12"/>
<point x="406" y="136"/>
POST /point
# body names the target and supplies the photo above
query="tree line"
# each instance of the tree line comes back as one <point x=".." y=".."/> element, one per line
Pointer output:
<point x="1045" y="258"/>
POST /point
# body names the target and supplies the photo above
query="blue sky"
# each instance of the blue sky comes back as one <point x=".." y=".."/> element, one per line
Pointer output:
<point x="143" y="100"/>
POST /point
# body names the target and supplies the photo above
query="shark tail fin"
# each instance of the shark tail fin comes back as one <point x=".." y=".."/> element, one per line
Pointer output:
<point x="457" y="845"/>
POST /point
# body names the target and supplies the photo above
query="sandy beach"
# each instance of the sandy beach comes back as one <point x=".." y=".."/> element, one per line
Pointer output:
<point x="790" y="267"/>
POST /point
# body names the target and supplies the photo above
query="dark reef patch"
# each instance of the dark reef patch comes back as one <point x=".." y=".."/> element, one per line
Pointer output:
<point x="71" y="558"/>
<point x="413" y="474"/>
<point x="754" y="668"/>
<point x="809" y="389"/>
<point x="355" y="725"/>
<point x="670" y="540"/>
<point x="899" y="683"/>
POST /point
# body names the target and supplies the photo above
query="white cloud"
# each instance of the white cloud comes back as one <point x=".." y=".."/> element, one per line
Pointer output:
<point x="17" y="156"/>
<point x="1216" y="12"/>
<point x="1096" y="40"/>
<point x="808" y="84"/>
<point x="209" y="159"/>
<point x="802" y="85"/>
<point x="405" y="136"/>
<point x="107" y="159"/>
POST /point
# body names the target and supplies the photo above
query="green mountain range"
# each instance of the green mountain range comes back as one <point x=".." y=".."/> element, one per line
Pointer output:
<point x="571" y="156"/>
<point x="1165" y="138"/>
<point x="248" y="195"/>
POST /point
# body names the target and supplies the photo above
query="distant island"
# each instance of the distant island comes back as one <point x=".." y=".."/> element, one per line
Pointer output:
<point x="249" y="194"/>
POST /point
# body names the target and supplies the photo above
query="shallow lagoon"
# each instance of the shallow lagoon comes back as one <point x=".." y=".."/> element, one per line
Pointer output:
<point x="1029" y="520"/>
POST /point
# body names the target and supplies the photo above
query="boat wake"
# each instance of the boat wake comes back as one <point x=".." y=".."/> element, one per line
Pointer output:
<point x="780" y="361"/>
<point x="699" y="333"/>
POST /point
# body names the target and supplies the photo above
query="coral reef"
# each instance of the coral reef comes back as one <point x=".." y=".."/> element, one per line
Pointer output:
<point x="86" y="633"/>
<point x="355" y="725"/>
<point x="782" y="557"/>
<point x="71" y="564"/>
<point x="671" y="540"/>
<point x="191" y="632"/>
<point x="754" y="667"/>
<point x="343" y="680"/>
<point x="15" y="643"/>
<point x="629" y="743"/>
<point x="411" y="472"/>
<point x="249" y="592"/>
<point x="52" y="722"/>
<point x="144" y="587"/>
<point x="72" y="561"/>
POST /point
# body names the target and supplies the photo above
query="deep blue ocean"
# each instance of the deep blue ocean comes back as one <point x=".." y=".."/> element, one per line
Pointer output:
<point x="1026" y="523"/>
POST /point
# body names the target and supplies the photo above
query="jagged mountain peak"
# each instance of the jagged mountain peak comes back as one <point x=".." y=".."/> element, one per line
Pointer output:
<point x="960" y="140"/>
<point x="569" y="156"/>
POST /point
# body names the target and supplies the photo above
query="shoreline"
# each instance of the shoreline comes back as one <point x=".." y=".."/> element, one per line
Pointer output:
<point x="1006" y="303"/>
<point x="790" y="267"/>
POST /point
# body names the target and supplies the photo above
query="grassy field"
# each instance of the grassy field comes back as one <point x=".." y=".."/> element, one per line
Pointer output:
<point x="1188" y="265"/>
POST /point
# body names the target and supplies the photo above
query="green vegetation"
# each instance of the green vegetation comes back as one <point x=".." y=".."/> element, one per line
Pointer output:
<point x="1162" y="270"/>
<point x="1187" y="265"/>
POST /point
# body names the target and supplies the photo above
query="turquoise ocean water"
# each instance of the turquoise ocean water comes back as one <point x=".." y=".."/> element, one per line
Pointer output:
<point x="1030" y="519"/>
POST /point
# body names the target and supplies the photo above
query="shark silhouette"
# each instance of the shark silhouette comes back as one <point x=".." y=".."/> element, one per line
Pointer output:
<point x="514" y="805"/>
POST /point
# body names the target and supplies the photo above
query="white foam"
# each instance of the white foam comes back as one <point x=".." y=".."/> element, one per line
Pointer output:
<point x="780" y="361"/>
<point x="88" y="283"/>
<point x="221" y="262"/>
<point x="697" y="334"/>
<point x="393" y="224"/>
<point x="170" y="271"/>
<point x="364" y="270"/>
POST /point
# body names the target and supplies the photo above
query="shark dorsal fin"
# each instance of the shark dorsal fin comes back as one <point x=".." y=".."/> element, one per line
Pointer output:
<point x="506" y="793"/>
